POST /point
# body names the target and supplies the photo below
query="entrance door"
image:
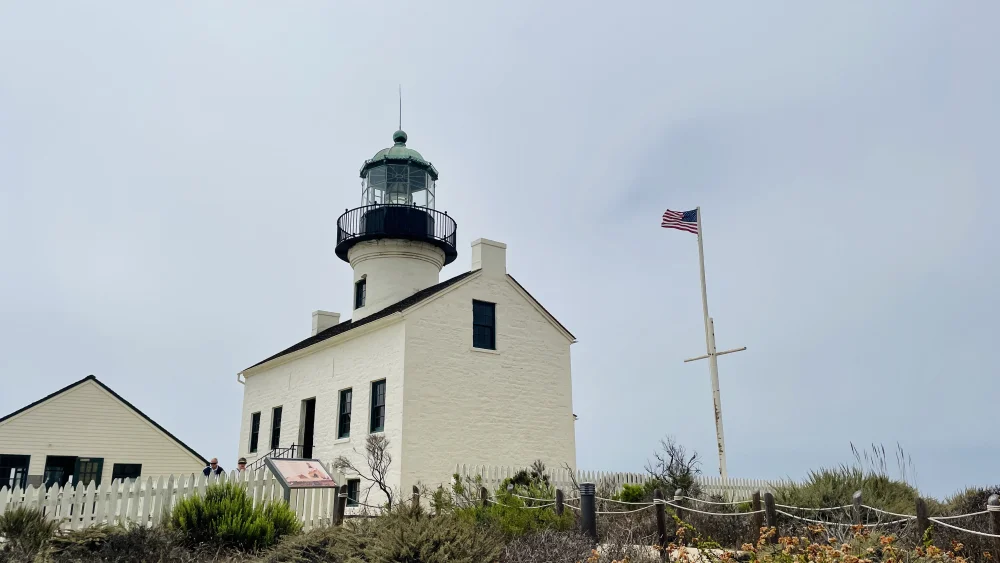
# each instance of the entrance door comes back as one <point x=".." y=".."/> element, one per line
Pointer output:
<point x="308" y="425"/>
<point x="88" y="469"/>
<point x="58" y="468"/>
<point x="14" y="471"/>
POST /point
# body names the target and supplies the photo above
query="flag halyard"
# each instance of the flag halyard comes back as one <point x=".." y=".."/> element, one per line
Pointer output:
<point x="681" y="220"/>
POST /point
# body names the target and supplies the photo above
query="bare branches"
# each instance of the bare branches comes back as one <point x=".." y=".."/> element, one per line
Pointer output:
<point x="378" y="459"/>
<point x="674" y="468"/>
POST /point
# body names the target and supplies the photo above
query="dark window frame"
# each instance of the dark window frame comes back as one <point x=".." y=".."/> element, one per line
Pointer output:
<point x="15" y="471"/>
<point x="360" y="293"/>
<point x="276" y="427"/>
<point x="254" y="432"/>
<point x="354" y="484"/>
<point x="484" y="325"/>
<point x="344" y="415"/>
<point x="377" y="416"/>
<point x="133" y="471"/>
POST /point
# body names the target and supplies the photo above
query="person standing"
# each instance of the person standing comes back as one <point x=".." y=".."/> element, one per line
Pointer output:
<point x="213" y="467"/>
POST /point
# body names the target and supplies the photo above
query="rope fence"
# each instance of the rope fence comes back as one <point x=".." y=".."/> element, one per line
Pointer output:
<point x="784" y="510"/>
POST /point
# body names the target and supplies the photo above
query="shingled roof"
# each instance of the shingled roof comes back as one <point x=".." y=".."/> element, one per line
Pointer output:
<point x="345" y="326"/>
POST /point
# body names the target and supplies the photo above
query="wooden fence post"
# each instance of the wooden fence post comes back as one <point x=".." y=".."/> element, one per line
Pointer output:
<point x="416" y="496"/>
<point x="661" y="523"/>
<point x="559" y="502"/>
<point x="679" y="503"/>
<point x="857" y="508"/>
<point x="758" y="518"/>
<point x="771" y="517"/>
<point x="588" y="510"/>
<point x="484" y="496"/>
<point x="993" y="507"/>
<point x="922" y="522"/>
<point x="341" y="505"/>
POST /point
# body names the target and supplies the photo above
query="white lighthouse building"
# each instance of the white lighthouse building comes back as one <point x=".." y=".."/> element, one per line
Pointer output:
<point x="469" y="370"/>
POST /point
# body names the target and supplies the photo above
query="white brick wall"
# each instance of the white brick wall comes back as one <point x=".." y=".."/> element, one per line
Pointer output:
<point x="355" y="363"/>
<point x="463" y="405"/>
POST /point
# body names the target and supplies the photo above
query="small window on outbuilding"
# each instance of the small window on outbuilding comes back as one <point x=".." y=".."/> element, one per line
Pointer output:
<point x="121" y="471"/>
<point x="360" y="291"/>
<point x="484" y="325"/>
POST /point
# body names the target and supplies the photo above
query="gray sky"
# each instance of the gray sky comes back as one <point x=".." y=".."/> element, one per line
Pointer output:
<point x="170" y="177"/>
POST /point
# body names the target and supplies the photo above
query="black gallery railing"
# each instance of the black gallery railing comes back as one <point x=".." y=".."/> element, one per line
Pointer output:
<point x="409" y="222"/>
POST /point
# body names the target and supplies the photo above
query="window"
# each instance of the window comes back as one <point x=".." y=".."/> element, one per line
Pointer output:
<point x="254" y="431"/>
<point x="14" y="470"/>
<point x="126" y="471"/>
<point x="359" y="293"/>
<point x="275" y="427"/>
<point x="484" y="323"/>
<point x="378" y="406"/>
<point x="353" y="488"/>
<point x="88" y="470"/>
<point x="344" y="421"/>
<point x="58" y="468"/>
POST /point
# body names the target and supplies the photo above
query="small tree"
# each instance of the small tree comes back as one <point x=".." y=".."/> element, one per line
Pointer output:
<point x="378" y="459"/>
<point x="674" y="469"/>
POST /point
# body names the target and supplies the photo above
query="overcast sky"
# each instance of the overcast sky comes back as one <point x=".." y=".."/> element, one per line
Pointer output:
<point x="171" y="174"/>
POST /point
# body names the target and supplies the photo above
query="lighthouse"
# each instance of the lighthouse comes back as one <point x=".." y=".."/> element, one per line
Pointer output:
<point x="396" y="241"/>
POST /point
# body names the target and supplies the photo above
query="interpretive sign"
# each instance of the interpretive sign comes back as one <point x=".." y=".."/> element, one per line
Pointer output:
<point x="300" y="474"/>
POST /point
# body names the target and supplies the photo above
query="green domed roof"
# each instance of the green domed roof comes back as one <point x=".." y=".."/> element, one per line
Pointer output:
<point x="399" y="153"/>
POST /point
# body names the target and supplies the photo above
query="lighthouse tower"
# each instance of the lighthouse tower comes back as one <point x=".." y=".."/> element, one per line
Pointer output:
<point x="396" y="242"/>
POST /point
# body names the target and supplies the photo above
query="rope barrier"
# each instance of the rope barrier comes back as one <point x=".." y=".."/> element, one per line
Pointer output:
<point x="525" y="507"/>
<point x="828" y="509"/>
<point x="623" y="502"/>
<point x="947" y="525"/>
<point x="961" y="515"/>
<point x="627" y="511"/>
<point x="841" y="524"/>
<point x="711" y="513"/>
<point x="734" y="503"/>
<point x="880" y="511"/>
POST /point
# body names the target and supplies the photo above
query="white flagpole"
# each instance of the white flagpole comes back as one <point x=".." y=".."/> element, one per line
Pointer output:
<point x="713" y="364"/>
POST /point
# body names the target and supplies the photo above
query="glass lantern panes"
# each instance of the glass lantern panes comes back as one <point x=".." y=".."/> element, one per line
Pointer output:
<point x="398" y="184"/>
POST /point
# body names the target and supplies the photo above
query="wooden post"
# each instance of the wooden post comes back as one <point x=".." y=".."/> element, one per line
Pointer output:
<point x="559" y="502"/>
<point x="857" y="508"/>
<point x="588" y="510"/>
<point x="922" y="522"/>
<point x="771" y="516"/>
<point x="993" y="507"/>
<point x="661" y="523"/>
<point x="757" y="519"/>
<point x="484" y="496"/>
<point x="415" y="509"/>
<point x="342" y="504"/>
<point x="679" y="503"/>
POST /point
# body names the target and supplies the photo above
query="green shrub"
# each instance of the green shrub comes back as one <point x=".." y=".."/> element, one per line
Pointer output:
<point x="226" y="516"/>
<point x="25" y="530"/>
<point x="402" y="537"/>
<point x="631" y="493"/>
<point x="836" y="487"/>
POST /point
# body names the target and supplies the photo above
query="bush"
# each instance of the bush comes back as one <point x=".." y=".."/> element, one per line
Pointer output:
<point x="25" y="530"/>
<point x="402" y="536"/>
<point x="226" y="516"/>
<point x="631" y="493"/>
<point x="548" y="546"/>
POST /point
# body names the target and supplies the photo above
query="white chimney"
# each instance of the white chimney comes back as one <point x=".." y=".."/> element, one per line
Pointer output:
<point x="490" y="257"/>
<point x="323" y="320"/>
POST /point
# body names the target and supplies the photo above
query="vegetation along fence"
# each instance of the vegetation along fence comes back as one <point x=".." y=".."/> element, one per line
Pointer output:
<point x="149" y="502"/>
<point x="562" y="478"/>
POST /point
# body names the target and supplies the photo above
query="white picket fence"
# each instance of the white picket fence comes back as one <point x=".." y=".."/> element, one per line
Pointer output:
<point x="149" y="502"/>
<point x="737" y="489"/>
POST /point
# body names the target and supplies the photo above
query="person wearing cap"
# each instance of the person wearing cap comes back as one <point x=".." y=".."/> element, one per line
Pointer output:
<point x="213" y="467"/>
<point x="241" y="465"/>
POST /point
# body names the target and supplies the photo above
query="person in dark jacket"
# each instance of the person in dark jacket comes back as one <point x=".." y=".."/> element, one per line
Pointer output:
<point x="213" y="467"/>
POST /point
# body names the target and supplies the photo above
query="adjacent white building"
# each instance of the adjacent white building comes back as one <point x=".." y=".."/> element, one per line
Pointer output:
<point x="468" y="370"/>
<point x="88" y="433"/>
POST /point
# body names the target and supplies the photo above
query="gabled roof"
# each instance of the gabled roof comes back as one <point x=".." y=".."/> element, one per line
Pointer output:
<point x="116" y="396"/>
<point x="539" y="303"/>
<point x="345" y="326"/>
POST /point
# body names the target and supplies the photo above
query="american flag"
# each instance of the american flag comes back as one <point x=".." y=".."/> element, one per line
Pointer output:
<point x="681" y="220"/>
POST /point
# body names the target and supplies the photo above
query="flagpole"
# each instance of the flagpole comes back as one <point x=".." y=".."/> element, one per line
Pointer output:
<point x="713" y="364"/>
